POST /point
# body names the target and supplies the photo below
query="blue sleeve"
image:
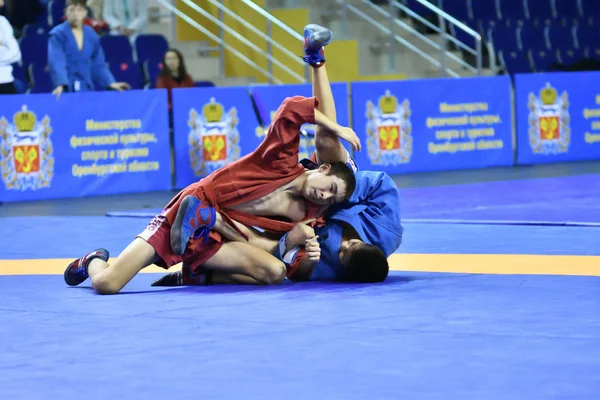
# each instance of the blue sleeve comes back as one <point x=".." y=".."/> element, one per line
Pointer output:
<point x="57" y="61"/>
<point x="100" y="71"/>
<point x="378" y="192"/>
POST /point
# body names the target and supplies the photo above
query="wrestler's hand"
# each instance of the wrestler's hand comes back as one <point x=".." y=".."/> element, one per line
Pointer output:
<point x="301" y="232"/>
<point x="313" y="250"/>
<point x="349" y="136"/>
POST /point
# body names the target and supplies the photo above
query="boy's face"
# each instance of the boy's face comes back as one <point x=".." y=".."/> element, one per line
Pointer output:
<point x="75" y="15"/>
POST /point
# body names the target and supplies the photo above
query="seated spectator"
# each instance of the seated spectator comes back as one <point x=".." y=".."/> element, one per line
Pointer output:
<point x="75" y="56"/>
<point x="126" y="17"/>
<point x="22" y="12"/>
<point x="10" y="53"/>
<point x="173" y="74"/>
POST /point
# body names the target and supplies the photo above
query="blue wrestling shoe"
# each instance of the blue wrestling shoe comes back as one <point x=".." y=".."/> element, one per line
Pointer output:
<point x="194" y="220"/>
<point x="315" y="38"/>
<point x="77" y="272"/>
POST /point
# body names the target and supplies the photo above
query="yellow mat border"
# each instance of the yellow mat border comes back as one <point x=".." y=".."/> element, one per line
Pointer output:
<point x="454" y="263"/>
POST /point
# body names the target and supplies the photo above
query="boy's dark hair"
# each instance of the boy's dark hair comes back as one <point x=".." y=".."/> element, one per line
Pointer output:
<point x="367" y="264"/>
<point x="82" y="3"/>
<point x="346" y="174"/>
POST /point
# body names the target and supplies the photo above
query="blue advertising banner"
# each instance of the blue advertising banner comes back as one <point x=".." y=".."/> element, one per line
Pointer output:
<point x="433" y="124"/>
<point x="85" y="144"/>
<point x="558" y="117"/>
<point x="212" y="127"/>
<point x="268" y="99"/>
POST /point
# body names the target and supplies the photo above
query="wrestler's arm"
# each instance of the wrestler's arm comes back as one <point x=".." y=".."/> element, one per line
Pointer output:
<point x="332" y="152"/>
<point x="255" y="238"/>
<point x="282" y="140"/>
<point x="329" y="148"/>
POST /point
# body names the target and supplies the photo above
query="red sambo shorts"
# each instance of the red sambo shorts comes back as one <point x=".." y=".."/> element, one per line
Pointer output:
<point x="158" y="235"/>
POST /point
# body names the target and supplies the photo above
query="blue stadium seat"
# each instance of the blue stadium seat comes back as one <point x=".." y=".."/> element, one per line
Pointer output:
<point x="128" y="72"/>
<point x="151" y="47"/>
<point x="590" y="7"/>
<point x="34" y="49"/>
<point x="567" y="9"/>
<point x="569" y="56"/>
<point x="511" y="10"/>
<point x="587" y="36"/>
<point x="484" y="11"/>
<point x="56" y="11"/>
<point x="561" y="37"/>
<point x="539" y="10"/>
<point x="40" y="79"/>
<point x="504" y="38"/>
<point x="39" y="29"/>
<point x="152" y="70"/>
<point x="515" y="62"/>
<point x="542" y="60"/>
<point x="531" y="37"/>
<point x="117" y="49"/>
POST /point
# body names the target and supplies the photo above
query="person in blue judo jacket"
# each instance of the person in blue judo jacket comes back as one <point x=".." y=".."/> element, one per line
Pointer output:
<point x="75" y="57"/>
<point x="353" y="240"/>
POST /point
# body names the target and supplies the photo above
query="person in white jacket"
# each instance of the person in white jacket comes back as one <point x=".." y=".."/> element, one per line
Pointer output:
<point x="10" y="53"/>
<point x="126" y="17"/>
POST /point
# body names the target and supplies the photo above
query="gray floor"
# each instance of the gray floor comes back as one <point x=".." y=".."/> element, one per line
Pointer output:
<point x="102" y="204"/>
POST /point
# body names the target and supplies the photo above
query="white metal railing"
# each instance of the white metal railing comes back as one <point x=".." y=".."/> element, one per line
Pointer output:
<point x="441" y="48"/>
<point x="222" y="45"/>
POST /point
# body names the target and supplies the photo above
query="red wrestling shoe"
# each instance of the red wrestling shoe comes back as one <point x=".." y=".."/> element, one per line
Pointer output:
<point x="77" y="271"/>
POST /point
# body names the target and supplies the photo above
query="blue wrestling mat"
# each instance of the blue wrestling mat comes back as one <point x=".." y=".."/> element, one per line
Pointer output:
<point x="572" y="200"/>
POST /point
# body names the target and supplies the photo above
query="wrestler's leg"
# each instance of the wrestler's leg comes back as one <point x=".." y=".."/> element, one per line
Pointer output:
<point x="238" y="258"/>
<point x="328" y="146"/>
<point x="322" y="91"/>
<point x="110" y="279"/>
<point x="235" y="263"/>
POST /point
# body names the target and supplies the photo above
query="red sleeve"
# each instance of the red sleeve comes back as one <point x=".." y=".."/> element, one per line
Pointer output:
<point x="282" y="141"/>
<point x="297" y="273"/>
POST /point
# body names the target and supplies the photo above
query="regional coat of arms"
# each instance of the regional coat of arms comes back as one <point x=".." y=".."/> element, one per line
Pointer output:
<point x="549" y="130"/>
<point x="26" y="160"/>
<point x="213" y="138"/>
<point x="389" y="139"/>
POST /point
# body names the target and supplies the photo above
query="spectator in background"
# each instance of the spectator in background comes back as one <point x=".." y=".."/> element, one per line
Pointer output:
<point x="75" y="56"/>
<point x="126" y="17"/>
<point x="173" y="74"/>
<point x="96" y="7"/>
<point x="10" y="53"/>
